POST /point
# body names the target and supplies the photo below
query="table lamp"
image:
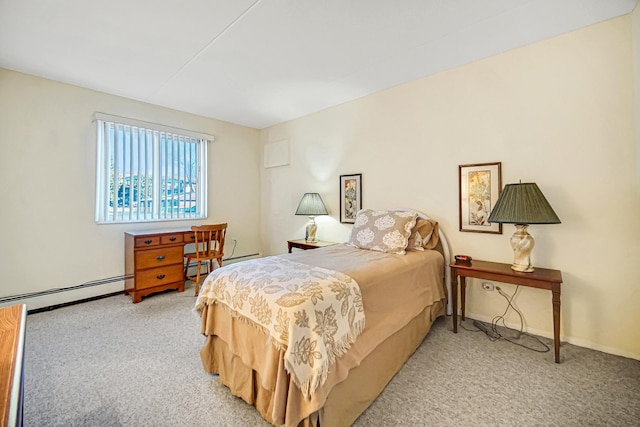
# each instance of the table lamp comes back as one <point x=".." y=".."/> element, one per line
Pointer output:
<point x="522" y="204"/>
<point x="311" y="205"/>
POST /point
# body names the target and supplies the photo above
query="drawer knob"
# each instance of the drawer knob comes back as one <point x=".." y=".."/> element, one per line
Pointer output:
<point x="173" y="239"/>
<point x="148" y="242"/>
<point x="160" y="257"/>
<point x="160" y="276"/>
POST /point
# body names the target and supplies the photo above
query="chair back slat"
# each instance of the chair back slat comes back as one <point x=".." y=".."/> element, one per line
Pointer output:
<point x="209" y="239"/>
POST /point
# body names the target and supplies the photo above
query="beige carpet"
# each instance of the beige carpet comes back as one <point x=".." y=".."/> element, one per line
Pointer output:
<point x="112" y="363"/>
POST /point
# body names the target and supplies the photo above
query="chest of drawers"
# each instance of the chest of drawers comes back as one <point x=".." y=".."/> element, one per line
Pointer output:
<point x="154" y="262"/>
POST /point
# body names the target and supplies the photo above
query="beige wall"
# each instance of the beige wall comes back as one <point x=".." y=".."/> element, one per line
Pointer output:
<point x="635" y="31"/>
<point x="47" y="170"/>
<point x="559" y="113"/>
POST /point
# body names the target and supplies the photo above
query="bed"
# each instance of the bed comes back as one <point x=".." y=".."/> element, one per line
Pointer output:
<point x="400" y="290"/>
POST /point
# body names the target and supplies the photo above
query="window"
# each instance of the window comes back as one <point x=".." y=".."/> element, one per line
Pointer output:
<point x="149" y="172"/>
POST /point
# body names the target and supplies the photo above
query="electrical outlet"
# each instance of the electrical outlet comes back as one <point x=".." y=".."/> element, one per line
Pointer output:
<point x="487" y="286"/>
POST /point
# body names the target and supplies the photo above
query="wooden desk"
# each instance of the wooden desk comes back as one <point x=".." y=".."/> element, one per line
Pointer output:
<point x="154" y="261"/>
<point x="540" y="278"/>
<point x="304" y="245"/>
<point x="13" y="321"/>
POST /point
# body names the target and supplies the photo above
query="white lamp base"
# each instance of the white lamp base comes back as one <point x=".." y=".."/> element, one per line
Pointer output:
<point x="311" y="230"/>
<point x="522" y="244"/>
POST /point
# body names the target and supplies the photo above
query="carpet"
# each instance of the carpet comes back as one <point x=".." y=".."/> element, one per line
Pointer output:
<point x="110" y="362"/>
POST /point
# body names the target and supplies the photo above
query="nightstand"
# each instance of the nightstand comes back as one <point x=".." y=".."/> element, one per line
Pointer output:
<point x="541" y="278"/>
<point x="304" y="245"/>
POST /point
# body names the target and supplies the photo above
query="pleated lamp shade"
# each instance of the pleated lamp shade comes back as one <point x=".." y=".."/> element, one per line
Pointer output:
<point x="523" y="203"/>
<point x="311" y="204"/>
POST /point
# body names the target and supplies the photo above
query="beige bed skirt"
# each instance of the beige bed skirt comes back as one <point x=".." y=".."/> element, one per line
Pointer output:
<point x="353" y="383"/>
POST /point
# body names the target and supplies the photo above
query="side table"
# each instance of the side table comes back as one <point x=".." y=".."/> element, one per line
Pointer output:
<point x="304" y="245"/>
<point x="541" y="278"/>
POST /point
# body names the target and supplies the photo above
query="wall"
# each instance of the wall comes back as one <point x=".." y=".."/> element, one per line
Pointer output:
<point x="47" y="167"/>
<point x="635" y="31"/>
<point x="559" y="112"/>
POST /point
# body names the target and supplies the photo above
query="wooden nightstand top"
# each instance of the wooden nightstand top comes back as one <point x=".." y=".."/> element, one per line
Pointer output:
<point x="303" y="244"/>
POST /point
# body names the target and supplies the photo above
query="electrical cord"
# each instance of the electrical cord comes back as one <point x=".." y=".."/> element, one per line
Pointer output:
<point x="494" y="334"/>
<point x="235" y="243"/>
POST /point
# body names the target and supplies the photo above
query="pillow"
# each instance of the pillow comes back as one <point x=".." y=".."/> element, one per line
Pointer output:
<point x="424" y="235"/>
<point x="383" y="231"/>
<point x="432" y="239"/>
<point x="420" y="232"/>
<point x="415" y="243"/>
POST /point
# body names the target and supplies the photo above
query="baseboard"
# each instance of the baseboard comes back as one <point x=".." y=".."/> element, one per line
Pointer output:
<point x="108" y="291"/>
<point x="66" y="304"/>
<point x="580" y="342"/>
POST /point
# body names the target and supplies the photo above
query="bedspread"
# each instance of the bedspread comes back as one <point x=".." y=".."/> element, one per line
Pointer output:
<point x="395" y="291"/>
<point x="312" y="313"/>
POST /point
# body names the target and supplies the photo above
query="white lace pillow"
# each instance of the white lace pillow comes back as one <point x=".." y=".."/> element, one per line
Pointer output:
<point x="383" y="231"/>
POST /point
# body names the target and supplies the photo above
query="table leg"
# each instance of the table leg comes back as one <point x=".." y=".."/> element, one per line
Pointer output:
<point x="556" y="320"/>
<point x="454" y="298"/>
<point x="463" y="295"/>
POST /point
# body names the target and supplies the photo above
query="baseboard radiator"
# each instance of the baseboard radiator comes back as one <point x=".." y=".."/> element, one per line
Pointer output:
<point x="232" y="260"/>
<point x="22" y="297"/>
<point x="13" y="298"/>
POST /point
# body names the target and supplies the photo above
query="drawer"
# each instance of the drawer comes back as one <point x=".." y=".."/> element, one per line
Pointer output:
<point x="144" y="241"/>
<point x="159" y="257"/>
<point x="189" y="237"/>
<point x="171" y="238"/>
<point x="159" y="276"/>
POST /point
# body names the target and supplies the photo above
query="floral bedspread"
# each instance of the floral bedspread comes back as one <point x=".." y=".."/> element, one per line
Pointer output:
<point x="312" y="313"/>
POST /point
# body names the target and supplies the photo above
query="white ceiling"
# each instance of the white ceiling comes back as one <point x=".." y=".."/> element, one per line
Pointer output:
<point x="262" y="62"/>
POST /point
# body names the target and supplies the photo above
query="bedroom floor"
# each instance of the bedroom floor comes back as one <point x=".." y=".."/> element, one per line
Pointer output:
<point x="112" y="363"/>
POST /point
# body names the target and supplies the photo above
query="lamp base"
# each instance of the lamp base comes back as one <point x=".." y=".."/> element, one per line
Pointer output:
<point x="310" y="232"/>
<point x="522" y="269"/>
<point x="522" y="244"/>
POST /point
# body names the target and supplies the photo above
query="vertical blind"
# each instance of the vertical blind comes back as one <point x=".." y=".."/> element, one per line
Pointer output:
<point x="149" y="173"/>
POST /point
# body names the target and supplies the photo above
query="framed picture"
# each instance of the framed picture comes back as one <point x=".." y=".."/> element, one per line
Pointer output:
<point x="350" y="197"/>
<point x="479" y="187"/>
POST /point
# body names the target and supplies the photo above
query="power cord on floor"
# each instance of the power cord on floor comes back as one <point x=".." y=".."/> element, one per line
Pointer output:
<point x="494" y="334"/>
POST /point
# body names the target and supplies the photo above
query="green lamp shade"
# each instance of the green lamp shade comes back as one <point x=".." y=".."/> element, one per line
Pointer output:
<point x="523" y="203"/>
<point x="311" y="204"/>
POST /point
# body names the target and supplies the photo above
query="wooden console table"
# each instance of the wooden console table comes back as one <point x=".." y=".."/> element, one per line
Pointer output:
<point x="540" y="278"/>
<point x="154" y="261"/>
<point x="12" y="333"/>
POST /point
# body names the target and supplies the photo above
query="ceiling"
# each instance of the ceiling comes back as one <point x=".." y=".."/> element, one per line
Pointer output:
<point x="262" y="62"/>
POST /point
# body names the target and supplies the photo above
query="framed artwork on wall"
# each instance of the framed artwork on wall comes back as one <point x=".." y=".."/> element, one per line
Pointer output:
<point x="350" y="197"/>
<point x="479" y="186"/>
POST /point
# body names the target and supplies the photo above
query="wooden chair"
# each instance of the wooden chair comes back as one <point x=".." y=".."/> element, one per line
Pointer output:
<point x="209" y="246"/>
